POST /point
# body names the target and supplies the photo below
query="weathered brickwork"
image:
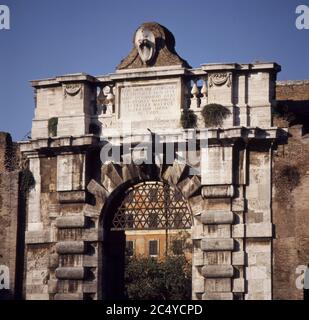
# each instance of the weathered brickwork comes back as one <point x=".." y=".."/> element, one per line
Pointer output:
<point x="292" y="90"/>
<point x="9" y="206"/>
<point x="290" y="193"/>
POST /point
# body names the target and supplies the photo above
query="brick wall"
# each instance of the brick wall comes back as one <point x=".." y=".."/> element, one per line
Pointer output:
<point x="291" y="190"/>
<point x="9" y="207"/>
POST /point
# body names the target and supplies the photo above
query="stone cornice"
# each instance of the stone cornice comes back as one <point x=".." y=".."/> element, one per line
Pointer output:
<point x="229" y="135"/>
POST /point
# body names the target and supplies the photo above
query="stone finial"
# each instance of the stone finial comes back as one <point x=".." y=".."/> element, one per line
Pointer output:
<point x="153" y="46"/>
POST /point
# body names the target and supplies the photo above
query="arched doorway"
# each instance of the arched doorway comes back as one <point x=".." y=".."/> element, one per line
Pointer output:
<point x="149" y="219"/>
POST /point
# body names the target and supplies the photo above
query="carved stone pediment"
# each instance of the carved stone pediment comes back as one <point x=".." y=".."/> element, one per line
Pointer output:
<point x="153" y="45"/>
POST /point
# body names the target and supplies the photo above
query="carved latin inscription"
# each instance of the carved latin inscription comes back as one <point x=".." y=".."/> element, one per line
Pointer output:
<point x="149" y="102"/>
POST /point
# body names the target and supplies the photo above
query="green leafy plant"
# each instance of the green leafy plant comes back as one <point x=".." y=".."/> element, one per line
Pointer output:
<point x="214" y="114"/>
<point x="52" y="127"/>
<point x="281" y="110"/>
<point x="26" y="181"/>
<point x="94" y="128"/>
<point x="290" y="176"/>
<point x="148" y="278"/>
<point x="188" y="119"/>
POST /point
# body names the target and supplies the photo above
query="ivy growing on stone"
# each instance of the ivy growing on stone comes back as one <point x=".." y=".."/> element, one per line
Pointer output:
<point x="281" y="110"/>
<point x="291" y="176"/>
<point x="214" y="114"/>
<point x="27" y="181"/>
<point x="188" y="119"/>
<point x="52" y="127"/>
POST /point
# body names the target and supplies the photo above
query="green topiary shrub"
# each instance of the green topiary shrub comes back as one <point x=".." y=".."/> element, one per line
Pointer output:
<point x="52" y="127"/>
<point x="214" y="114"/>
<point x="188" y="119"/>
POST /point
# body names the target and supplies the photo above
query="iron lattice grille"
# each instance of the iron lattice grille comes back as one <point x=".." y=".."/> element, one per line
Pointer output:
<point x="152" y="205"/>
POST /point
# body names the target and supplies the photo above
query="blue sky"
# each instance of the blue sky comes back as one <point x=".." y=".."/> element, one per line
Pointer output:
<point x="49" y="38"/>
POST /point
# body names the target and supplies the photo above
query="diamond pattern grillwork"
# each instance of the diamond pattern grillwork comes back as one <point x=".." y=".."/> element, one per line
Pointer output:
<point x="152" y="205"/>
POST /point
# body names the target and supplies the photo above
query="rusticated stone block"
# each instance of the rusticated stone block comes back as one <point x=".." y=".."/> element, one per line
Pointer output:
<point x="70" y="273"/>
<point x="217" y="296"/>
<point x="76" y="221"/>
<point x="33" y="237"/>
<point x="52" y="286"/>
<point x="239" y="285"/>
<point x="68" y="296"/>
<point x="259" y="230"/>
<point x="91" y="211"/>
<point x="238" y="205"/>
<point x="90" y="287"/>
<point x="217" y="217"/>
<point x="53" y="261"/>
<point x="219" y="285"/>
<point x="72" y="196"/>
<point x="198" y="258"/>
<point x="222" y="191"/>
<point x="198" y="285"/>
<point x="110" y="177"/>
<point x="217" y="244"/>
<point x="238" y="230"/>
<point x="97" y="190"/>
<point x="174" y="174"/>
<point x="238" y="258"/>
<point x="218" y="271"/>
<point x="67" y="247"/>
<point x="189" y="186"/>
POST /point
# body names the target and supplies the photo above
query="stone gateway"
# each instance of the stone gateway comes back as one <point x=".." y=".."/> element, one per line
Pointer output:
<point x="216" y="181"/>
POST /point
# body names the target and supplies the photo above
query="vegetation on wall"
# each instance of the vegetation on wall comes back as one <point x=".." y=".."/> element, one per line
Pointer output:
<point x="291" y="176"/>
<point x="188" y="119"/>
<point x="281" y="110"/>
<point x="214" y="114"/>
<point x="26" y="181"/>
<point x="94" y="128"/>
<point x="52" y="127"/>
<point x="10" y="160"/>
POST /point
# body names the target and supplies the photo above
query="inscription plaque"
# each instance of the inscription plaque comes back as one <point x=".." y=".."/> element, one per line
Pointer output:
<point x="153" y="102"/>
